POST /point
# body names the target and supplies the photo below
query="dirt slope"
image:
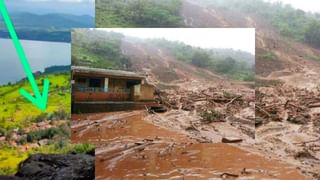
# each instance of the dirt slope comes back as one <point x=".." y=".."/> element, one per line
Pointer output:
<point x="162" y="67"/>
<point x="288" y="108"/>
<point x="293" y="63"/>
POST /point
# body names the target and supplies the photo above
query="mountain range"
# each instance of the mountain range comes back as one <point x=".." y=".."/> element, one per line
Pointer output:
<point x="47" y="27"/>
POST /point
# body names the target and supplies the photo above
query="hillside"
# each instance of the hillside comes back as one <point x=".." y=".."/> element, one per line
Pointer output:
<point x="37" y="27"/>
<point x="287" y="74"/>
<point x="137" y="13"/>
<point x="25" y="130"/>
<point x="115" y="51"/>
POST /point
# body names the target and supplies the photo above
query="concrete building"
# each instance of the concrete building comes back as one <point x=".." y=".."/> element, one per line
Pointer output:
<point x="109" y="89"/>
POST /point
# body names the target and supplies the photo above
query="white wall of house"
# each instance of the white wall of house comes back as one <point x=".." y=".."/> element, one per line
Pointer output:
<point x="106" y="84"/>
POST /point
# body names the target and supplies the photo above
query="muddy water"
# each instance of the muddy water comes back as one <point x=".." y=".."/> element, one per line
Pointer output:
<point x="130" y="148"/>
<point x="118" y="126"/>
<point x="194" y="161"/>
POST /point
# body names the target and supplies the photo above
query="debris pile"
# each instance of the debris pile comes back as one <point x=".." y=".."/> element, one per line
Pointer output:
<point x="287" y="121"/>
<point x="298" y="106"/>
<point x="209" y="114"/>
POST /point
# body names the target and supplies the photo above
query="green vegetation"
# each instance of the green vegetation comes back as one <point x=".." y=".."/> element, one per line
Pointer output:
<point x="10" y="157"/>
<point x="102" y="49"/>
<point x="97" y="49"/>
<point x="290" y="22"/>
<point x="17" y="115"/>
<point x="61" y="131"/>
<point x="138" y="13"/>
<point x="235" y="64"/>
<point x="315" y="58"/>
<point x="211" y="116"/>
<point x="267" y="56"/>
<point x="17" y="112"/>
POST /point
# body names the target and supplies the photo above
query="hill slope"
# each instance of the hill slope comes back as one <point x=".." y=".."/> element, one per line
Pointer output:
<point x="287" y="72"/>
<point x="278" y="57"/>
<point x="49" y="27"/>
<point x="166" y="61"/>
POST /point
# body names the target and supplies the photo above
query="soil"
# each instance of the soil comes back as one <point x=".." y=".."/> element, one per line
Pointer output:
<point x="130" y="147"/>
<point x="275" y="127"/>
<point x="287" y="91"/>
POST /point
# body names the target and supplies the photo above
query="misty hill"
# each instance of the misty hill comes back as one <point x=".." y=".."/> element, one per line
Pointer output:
<point x="282" y="50"/>
<point x="57" y="69"/>
<point x="48" y="27"/>
<point x="164" y="59"/>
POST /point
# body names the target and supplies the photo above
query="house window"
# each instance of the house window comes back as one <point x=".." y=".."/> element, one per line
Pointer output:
<point x="95" y="83"/>
<point x="81" y="80"/>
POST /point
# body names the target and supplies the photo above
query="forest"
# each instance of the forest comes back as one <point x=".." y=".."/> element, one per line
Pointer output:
<point x="98" y="49"/>
<point x="103" y="49"/>
<point x="138" y="13"/>
<point x="287" y="20"/>
<point x="237" y="65"/>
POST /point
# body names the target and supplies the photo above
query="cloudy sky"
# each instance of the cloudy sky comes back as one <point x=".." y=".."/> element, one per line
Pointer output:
<point x="235" y="38"/>
<point x="78" y="7"/>
<point x="306" y="5"/>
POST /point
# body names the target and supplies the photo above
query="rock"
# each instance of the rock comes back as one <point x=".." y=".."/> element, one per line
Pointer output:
<point x="188" y="107"/>
<point x="300" y="119"/>
<point x="56" y="167"/>
<point x="12" y="178"/>
<point x="231" y="140"/>
<point x="158" y="109"/>
<point x="43" y="142"/>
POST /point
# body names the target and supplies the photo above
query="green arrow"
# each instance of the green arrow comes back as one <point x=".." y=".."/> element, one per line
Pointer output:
<point x="38" y="100"/>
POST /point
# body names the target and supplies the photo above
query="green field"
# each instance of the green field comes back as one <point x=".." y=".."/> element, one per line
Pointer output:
<point x="17" y="112"/>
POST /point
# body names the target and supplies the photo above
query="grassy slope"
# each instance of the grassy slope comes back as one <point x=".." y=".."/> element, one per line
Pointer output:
<point x="83" y="56"/>
<point x="16" y="112"/>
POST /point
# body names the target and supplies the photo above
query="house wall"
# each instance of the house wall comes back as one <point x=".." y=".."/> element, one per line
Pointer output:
<point x="117" y="85"/>
<point x="147" y="92"/>
<point x="100" y="96"/>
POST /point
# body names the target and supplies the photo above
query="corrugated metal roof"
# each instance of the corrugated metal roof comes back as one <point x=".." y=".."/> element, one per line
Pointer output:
<point x="105" y="72"/>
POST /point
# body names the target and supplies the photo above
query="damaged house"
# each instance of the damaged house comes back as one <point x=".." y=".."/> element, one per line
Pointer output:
<point x="103" y="90"/>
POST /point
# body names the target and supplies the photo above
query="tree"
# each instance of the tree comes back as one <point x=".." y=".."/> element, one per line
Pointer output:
<point x="227" y="65"/>
<point x="312" y="35"/>
<point x="201" y="59"/>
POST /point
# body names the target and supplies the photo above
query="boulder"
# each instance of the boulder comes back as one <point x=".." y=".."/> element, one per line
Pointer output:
<point x="231" y="140"/>
<point x="58" y="167"/>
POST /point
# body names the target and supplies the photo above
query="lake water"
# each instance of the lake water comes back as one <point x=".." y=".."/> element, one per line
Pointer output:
<point x="39" y="53"/>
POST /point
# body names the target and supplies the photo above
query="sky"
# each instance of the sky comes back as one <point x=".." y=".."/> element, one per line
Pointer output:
<point x="235" y="38"/>
<point x="306" y="5"/>
<point x="76" y="7"/>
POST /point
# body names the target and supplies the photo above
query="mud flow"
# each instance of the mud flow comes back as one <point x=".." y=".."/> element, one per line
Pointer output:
<point x="129" y="147"/>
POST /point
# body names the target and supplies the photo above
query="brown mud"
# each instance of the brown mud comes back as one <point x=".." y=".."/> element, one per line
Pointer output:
<point x="130" y="147"/>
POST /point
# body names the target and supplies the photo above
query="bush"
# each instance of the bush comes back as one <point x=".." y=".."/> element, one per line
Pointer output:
<point x="268" y="56"/>
<point x="211" y="116"/>
<point x="83" y="148"/>
<point x="7" y="171"/>
<point x="62" y="131"/>
<point x="61" y="114"/>
<point x="41" y="117"/>
<point x="137" y="13"/>
<point x="3" y="131"/>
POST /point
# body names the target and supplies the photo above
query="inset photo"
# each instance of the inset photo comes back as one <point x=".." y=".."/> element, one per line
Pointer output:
<point x="35" y="91"/>
<point x="163" y="103"/>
